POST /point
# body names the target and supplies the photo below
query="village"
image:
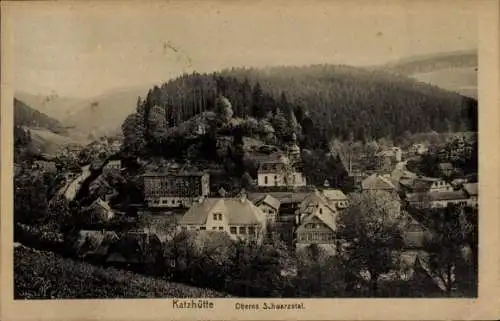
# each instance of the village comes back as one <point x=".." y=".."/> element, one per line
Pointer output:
<point x="180" y="198"/>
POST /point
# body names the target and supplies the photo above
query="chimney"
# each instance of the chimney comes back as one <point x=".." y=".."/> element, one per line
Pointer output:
<point x="243" y="195"/>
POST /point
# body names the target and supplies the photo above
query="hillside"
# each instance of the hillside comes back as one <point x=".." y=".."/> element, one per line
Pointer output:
<point x="103" y="115"/>
<point x="317" y="103"/>
<point x="45" y="141"/>
<point x="25" y="115"/>
<point x="45" y="275"/>
<point x="454" y="71"/>
<point x="55" y="106"/>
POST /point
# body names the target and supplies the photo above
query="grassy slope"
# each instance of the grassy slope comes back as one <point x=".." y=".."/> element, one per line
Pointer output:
<point x="44" y="275"/>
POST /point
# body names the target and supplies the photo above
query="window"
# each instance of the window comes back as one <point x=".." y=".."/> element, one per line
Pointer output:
<point x="221" y="228"/>
<point x="215" y="216"/>
<point x="275" y="177"/>
<point x="232" y="229"/>
<point x="251" y="230"/>
<point x="265" y="180"/>
<point x="214" y="228"/>
<point x="202" y="228"/>
<point x="243" y="230"/>
<point x="320" y="210"/>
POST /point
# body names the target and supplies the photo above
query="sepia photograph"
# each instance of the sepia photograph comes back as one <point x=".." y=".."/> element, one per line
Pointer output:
<point x="225" y="150"/>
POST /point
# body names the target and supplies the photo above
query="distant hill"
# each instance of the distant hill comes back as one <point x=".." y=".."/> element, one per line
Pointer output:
<point x="103" y="115"/>
<point x="46" y="135"/>
<point x="316" y="103"/>
<point x="454" y="71"/>
<point x="25" y="115"/>
<point x="53" y="105"/>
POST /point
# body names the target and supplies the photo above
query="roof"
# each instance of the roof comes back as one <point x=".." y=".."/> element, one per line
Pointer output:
<point x="328" y="219"/>
<point x="448" y="196"/>
<point x="94" y="242"/>
<point x="377" y="182"/>
<point x="237" y="212"/>
<point x="471" y="189"/>
<point x="167" y="173"/>
<point x="267" y="199"/>
<point x="334" y="194"/>
<point x="282" y="197"/>
<point x="311" y="201"/>
<point x="445" y="166"/>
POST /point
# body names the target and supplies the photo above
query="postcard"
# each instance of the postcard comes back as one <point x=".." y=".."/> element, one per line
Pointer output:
<point x="278" y="160"/>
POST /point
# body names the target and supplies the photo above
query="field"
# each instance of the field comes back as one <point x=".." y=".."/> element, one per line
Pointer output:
<point x="45" y="275"/>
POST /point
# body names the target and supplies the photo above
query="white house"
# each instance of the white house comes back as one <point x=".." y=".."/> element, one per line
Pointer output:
<point x="279" y="173"/>
<point x="336" y="198"/>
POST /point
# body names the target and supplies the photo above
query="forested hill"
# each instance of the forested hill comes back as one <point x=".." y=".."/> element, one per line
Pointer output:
<point x="326" y="101"/>
<point x="24" y="115"/>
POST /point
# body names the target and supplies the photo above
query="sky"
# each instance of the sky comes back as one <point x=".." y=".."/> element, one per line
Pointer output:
<point x="88" y="48"/>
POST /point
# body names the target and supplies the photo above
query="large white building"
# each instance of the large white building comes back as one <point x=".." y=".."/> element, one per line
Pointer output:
<point x="278" y="171"/>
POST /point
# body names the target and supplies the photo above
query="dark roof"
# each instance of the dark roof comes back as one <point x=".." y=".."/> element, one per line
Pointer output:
<point x="167" y="173"/>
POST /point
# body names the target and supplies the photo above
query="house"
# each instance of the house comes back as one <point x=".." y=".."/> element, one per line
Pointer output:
<point x="431" y="184"/>
<point x="46" y="166"/>
<point x="102" y="188"/>
<point x="268" y="205"/>
<point x="376" y="182"/>
<point x="279" y="172"/>
<point x="94" y="245"/>
<point x="238" y="217"/>
<point x="175" y="189"/>
<point x="112" y="166"/>
<point x="415" y="233"/>
<point x="393" y="154"/>
<point x="471" y="191"/>
<point x="443" y="199"/>
<point x="446" y="169"/>
<point x="316" y="221"/>
<point x="419" y="149"/>
<point x="336" y="198"/>
<point x="99" y="211"/>
<point x="135" y="250"/>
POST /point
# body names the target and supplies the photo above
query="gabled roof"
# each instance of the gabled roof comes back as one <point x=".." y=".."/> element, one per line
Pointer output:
<point x="377" y="182"/>
<point x="282" y="197"/>
<point x="267" y="199"/>
<point x="471" y="189"/>
<point x="311" y="201"/>
<point x="237" y="212"/>
<point x="326" y="218"/>
<point x="334" y="194"/>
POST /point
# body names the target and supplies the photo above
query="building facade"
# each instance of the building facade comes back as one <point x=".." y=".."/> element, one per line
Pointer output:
<point x="316" y="221"/>
<point x="238" y="217"/>
<point x="175" y="189"/>
<point x="277" y="173"/>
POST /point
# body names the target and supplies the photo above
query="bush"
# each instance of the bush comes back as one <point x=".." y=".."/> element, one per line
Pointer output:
<point x="44" y="275"/>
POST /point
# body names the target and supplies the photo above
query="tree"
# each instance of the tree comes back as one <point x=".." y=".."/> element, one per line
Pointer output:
<point x="453" y="232"/>
<point x="133" y="135"/>
<point x="370" y="236"/>
<point x="224" y="109"/>
<point x="30" y="199"/>
<point x="280" y="124"/>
